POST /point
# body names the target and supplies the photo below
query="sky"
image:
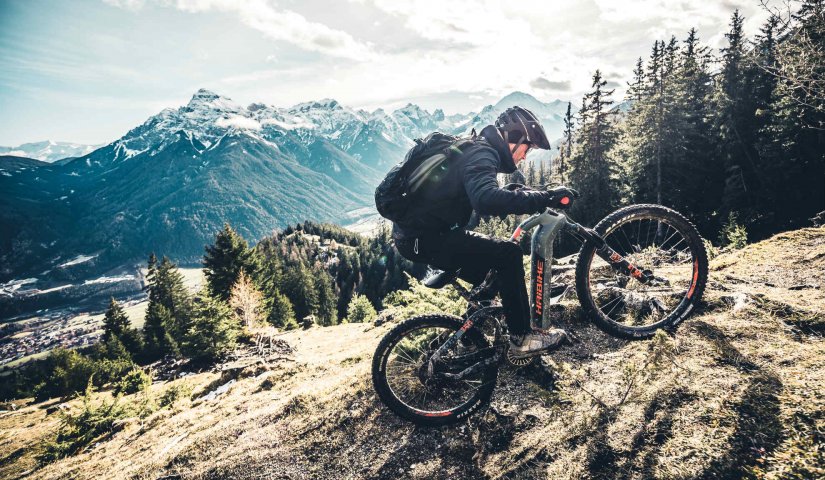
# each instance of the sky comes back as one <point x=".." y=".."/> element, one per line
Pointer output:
<point x="87" y="71"/>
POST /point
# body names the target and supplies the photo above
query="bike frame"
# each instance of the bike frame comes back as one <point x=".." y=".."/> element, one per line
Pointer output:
<point x="548" y="225"/>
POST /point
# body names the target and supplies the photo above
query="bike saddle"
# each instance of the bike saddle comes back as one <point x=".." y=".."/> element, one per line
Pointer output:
<point x="440" y="278"/>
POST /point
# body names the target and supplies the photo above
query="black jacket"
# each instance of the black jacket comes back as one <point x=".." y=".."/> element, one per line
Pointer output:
<point x="470" y="184"/>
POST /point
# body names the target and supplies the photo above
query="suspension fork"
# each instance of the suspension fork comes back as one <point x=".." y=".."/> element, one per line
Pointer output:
<point x="612" y="257"/>
<point x="454" y="338"/>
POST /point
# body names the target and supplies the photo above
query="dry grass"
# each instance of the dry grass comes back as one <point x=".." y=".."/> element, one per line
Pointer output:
<point x="737" y="392"/>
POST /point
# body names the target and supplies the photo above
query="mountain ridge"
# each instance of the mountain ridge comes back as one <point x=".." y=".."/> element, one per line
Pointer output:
<point x="169" y="183"/>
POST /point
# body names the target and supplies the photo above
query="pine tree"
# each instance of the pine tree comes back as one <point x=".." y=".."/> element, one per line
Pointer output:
<point x="735" y="126"/>
<point x="224" y="261"/>
<point x="695" y="175"/>
<point x="566" y="147"/>
<point x="531" y="174"/>
<point x="636" y="89"/>
<point x="169" y="311"/>
<point x="792" y="139"/>
<point x="281" y="313"/>
<point x="115" y="321"/>
<point x="151" y="269"/>
<point x="157" y="340"/>
<point x="214" y="329"/>
<point x="592" y="171"/>
<point x="326" y="312"/>
<point x="360" y="310"/>
<point x="299" y="287"/>
<point x="167" y="289"/>
<point x="541" y="176"/>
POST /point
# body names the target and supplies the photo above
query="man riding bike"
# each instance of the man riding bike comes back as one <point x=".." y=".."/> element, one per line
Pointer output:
<point x="436" y="231"/>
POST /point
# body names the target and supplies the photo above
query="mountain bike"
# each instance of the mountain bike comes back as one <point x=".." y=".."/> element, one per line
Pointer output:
<point x="640" y="269"/>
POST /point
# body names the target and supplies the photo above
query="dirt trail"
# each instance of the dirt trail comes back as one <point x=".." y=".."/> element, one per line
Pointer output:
<point x="737" y="391"/>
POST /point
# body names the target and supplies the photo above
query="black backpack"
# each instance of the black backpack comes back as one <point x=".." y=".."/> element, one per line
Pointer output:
<point x="423" y="165"/>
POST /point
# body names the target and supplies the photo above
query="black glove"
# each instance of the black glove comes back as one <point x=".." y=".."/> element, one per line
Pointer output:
<point x="561" y="197"/>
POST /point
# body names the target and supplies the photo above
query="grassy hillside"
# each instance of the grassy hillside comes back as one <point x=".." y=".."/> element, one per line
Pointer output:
<point x="737" y="392"/>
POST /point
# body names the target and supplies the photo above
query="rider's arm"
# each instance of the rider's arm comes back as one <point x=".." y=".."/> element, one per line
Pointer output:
<point x="487" y="198"/>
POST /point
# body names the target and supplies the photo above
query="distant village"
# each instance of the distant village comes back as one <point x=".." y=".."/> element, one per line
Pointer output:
<point x="64" y="328"/>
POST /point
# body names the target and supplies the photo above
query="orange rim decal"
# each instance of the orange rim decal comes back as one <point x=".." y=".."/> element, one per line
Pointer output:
<point x="435" y="414"/>
<point x="695" y="278"/>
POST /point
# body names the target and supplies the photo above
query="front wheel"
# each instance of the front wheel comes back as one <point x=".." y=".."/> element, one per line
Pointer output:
<point x="663" y="244"/>
<point x="441" y="395"/>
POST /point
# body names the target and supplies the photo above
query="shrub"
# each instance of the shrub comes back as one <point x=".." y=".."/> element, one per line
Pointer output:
<point x="81" y="429"/>
<point x="175" y="392"/>
<point x="360" y="310"/>
<point x="419" y="299"/>
<point x="733" y="234"/>
<point x="135" y="381"/>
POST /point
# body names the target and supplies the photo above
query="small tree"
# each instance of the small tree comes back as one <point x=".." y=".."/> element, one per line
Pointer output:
<point x="224" y="261"/>
<point x="214" y="329"/>
<point x="136" y="380"/>
<point x="246" y="301"/>
<point x="158" y="342"/>
<point x="115" y="322"/>
<point x="360" y="310"/>
<point x="733" y="233"/>
<point x="281" y="313"/>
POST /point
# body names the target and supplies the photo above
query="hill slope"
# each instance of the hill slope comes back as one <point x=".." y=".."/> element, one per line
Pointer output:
<point x="737" y="391"/>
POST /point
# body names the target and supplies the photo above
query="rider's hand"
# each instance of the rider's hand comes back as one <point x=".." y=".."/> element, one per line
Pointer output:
<point x="561" y="196"/>
<point x="562" y="190"/>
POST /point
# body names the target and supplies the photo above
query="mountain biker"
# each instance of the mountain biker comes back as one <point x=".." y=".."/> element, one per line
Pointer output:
<point x="437" y="233"/>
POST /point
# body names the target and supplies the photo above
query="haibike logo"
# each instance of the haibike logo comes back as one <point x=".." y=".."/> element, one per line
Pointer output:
<point x="539" y="286"/>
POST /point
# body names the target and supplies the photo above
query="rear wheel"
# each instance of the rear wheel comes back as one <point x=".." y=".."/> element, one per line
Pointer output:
<point x="403" y="381"/>
<point x="658" y="241"/>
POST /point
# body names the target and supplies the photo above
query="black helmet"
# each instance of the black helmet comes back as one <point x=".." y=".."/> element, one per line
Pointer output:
<point x="519" y="125"/>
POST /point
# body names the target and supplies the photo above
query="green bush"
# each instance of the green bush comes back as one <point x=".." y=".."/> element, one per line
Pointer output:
<point x="175" y="392"/>
<point x="733" y="234"/>
<point x="135" y="381"/>
<point x="64" y="372"/>
<point x="419" y="299"/>
<point x="79" y="430"/>
<point x="360" y="309"/>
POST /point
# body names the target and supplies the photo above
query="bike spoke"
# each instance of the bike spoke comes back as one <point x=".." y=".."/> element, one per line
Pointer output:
<point x="659" y="248"/>
<point x="413" y="384"/>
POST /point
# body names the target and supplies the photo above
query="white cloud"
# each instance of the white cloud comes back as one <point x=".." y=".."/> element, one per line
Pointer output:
<point x="285" y="25"/>
<point x="277" y="24"/>
<point x="238" y="122"/>
<point x="545" y="48"/>
<point x="133" y="5"/>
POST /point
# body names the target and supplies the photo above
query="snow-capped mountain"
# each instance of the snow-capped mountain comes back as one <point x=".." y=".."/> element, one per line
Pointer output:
<point x="170" y="183"/>
<point x="48" y="150"/>
<point x="208" y="116"/>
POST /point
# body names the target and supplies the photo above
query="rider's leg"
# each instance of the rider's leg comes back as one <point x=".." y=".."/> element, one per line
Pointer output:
<point x="475" y="254"/>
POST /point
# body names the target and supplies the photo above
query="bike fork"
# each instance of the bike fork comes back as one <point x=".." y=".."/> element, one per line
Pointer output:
<point x="612" y="257"/>
<point x="449" y="344"/>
